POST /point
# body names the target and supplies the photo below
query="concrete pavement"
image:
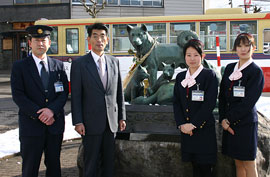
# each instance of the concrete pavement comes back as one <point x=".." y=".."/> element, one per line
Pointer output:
<point x="11" y="167"/>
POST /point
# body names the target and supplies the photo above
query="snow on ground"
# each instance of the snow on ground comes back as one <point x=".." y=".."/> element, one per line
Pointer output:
<point x="10" y="140"/>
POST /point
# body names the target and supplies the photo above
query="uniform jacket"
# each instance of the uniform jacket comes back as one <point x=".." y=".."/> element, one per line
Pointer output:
<point x="30" y="96"/>
<point x="236" y="109"/>
<point x="199" y="113"/>
<point x="92" y="104"/>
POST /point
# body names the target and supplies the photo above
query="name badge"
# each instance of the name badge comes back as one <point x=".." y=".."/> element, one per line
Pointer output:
<point x="58" y="86"/>
<point x="239" y="91"/>
<point x="197" y="95"/>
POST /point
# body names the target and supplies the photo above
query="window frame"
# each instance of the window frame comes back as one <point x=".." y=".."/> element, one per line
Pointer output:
<point x="36" y="2"/>
<point x="127" y="5"/>
<point x="235" y="35"/>
<point x="78" y="44"/>
<point x="180" y="23"/>
<point x="203" y="37"/>
<point x="120" y="37"/>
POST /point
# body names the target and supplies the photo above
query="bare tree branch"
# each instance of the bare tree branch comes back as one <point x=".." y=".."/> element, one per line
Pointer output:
<point x="92" y="9"/>
<point x="256" y="9"/>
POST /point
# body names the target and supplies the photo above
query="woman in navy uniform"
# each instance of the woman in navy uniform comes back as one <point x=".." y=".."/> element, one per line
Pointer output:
<point x="195" y="95"/>
<point x="240" y="88"/>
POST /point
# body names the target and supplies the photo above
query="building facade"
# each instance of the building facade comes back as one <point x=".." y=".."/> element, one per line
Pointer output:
<point x="137" y="8"/>
<point x="15" y="16"/>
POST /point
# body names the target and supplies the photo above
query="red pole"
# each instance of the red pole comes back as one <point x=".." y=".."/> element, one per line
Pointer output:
<point x="218" y="51"/>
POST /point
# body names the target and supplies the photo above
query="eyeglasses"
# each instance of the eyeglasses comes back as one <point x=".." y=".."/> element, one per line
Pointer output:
<point x="96" y="36"/>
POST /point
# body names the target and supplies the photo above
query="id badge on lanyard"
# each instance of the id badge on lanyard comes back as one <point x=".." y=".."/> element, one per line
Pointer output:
<point x="197" y="95"/>
<point x="239" y="91"/>
<point x="58" y="86"/>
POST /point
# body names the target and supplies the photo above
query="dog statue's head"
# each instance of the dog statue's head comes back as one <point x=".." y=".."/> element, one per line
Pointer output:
<point x="139" y="37"/>
<point x="168" y="70"/>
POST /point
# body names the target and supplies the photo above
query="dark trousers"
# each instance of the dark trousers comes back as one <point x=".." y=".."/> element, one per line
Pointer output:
<point x="202" y="170"/>
<point x="32" y="148"/>
<point x="99" y="154"/>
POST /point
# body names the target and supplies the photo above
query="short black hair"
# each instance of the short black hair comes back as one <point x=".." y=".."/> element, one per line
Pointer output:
<point x="196" y="44"/>
<point x="96" y="26"/>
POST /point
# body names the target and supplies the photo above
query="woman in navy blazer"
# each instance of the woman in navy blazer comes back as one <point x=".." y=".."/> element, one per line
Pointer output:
<point x="195" y="95"/>
<point x="240" y="88"/>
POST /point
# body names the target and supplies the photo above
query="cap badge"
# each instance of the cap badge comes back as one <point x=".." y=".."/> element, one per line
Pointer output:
<point x="40" y="31"/>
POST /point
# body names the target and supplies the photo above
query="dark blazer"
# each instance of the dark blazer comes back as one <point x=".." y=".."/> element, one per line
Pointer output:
<point x="240" y="110"/>
<point x="198" y="113"/>
<point x="30" y="96"/>
<point x="91" y="104"/>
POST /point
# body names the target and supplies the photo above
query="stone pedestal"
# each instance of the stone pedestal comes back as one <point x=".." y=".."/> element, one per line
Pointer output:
<point x="158" y="153"/>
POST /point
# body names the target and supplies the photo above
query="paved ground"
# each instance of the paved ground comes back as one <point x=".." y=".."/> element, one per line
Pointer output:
<point x="11" y="166"/>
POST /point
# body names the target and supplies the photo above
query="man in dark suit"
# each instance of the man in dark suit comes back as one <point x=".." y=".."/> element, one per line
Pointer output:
<point x="97" y="102"/>
<point x="40" y="88"/>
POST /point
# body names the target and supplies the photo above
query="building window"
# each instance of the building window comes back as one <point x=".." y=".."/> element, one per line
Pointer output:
<point x="177" y="28"/>
<point x="237" y="27"/>
<point x="158" y="31"/>
<point x="121" y="41"/>
<point x="112" y="2"/>
<point x="87" y="2"/>
<point x="147" y="3"/>
<point x="72" y="41"/>
<point x="54" y="41"/>
<point x="208" y="33"/>
<point x="36" y="1"/>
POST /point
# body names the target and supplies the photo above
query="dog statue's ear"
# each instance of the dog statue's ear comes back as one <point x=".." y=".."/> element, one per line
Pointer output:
<point x="164" y="64"/>
<point x="143" y="27"/>
<point x="129" y="28"/>
<point x="173" y="65"/>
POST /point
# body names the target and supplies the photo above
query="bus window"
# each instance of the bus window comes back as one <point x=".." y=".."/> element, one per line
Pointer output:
<point x="266" y="41"/>
<point x="177" y="28"/>
<point x="54" y="41"/>
<point x="237" y="27"/>
<point x="88" y="47"/>
<point x="208" y="33"/>
<point x="157" y="30"/>
<point x="121" y="41"/>
<point x="72" y="40"/>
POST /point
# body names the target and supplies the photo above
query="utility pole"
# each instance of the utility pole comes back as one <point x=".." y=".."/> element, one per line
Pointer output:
<point x="230" y="3"/>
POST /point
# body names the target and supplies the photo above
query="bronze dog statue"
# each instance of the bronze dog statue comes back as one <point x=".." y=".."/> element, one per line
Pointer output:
<point x="167" y="53"/>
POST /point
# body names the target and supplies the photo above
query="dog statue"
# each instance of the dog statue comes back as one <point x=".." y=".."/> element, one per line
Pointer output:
<point x="163" y="96"/>
<point x="168" y="53"/>
<point x="165" y="77"/>
<point x="135" y="87"/>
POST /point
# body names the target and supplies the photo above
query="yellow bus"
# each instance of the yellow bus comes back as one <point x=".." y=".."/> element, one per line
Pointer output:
<point x="69" y="35"/>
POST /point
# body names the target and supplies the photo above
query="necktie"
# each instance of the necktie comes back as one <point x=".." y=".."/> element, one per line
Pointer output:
<point x="44" y="76"/>
<point x="102" y="73"/>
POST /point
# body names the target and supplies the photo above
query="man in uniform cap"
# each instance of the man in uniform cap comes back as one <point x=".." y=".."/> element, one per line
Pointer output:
<point x="40" y="88"/>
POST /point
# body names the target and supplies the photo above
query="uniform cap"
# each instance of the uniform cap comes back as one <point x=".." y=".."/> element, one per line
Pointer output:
<point x="38" y="31"/>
